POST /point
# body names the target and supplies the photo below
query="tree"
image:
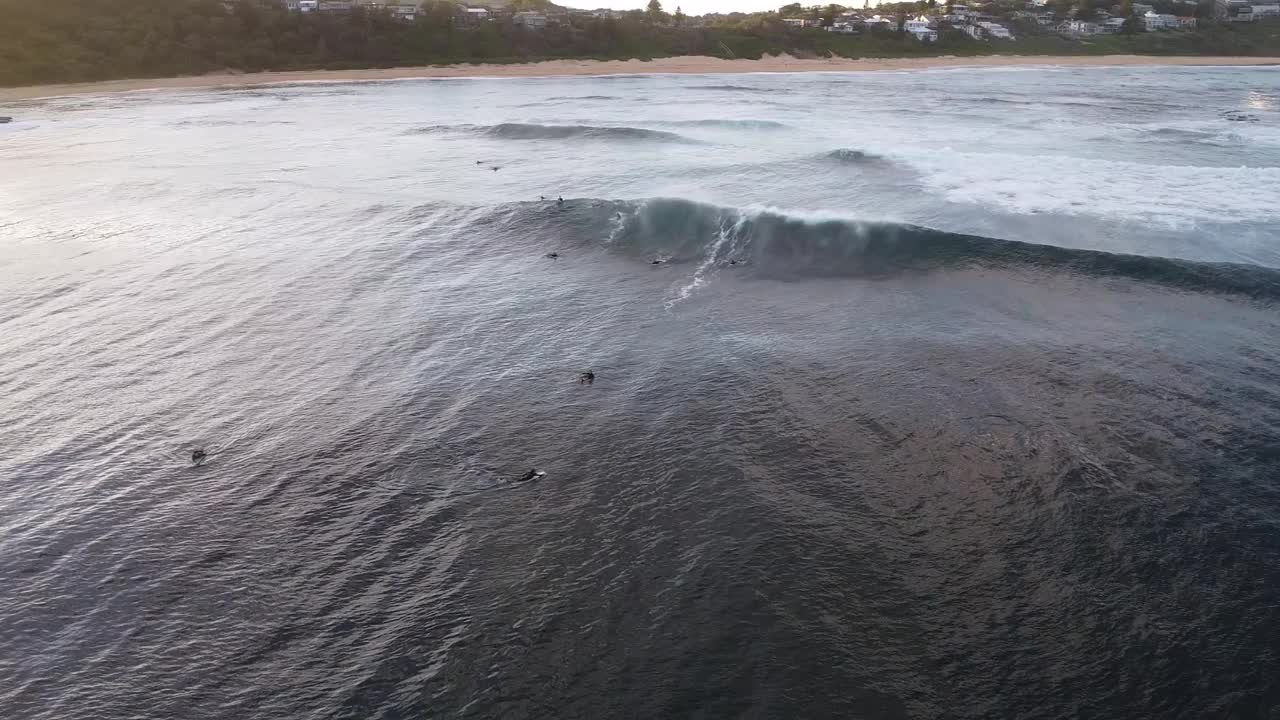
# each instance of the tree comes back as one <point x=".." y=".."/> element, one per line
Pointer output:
<point x="1132" y="23"/>
<point x="679" y="16"/>
<point x="792" y="10"/>
<point x="654" y="11"/>
<point x="1084" y="11"/>
<point x="829" y="15"/>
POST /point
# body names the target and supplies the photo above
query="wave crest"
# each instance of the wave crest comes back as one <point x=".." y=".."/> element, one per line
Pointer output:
<point x="787" y="245"/>
<point x="536" y="131"/>
<point x="855" y="157"/>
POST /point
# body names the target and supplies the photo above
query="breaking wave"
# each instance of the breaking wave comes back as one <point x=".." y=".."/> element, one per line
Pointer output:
<point x="732" y="124"/>
<point x="785" y="245"/>
<point x="856" y="157"/>
<point x="535" y="131"/>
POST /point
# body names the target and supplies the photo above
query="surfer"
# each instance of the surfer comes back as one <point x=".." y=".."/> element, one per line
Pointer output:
<point x="533" y="474"/>
<point x="198" y="456"/>
<point x="560" y="201"/>
<point x="553" y="255"/>
<point x="656" y="261"/>
<point x="587" y="378"/>
<point x="495" y="168"/>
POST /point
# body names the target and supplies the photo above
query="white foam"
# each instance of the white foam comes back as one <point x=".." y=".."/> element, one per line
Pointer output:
<point x="1174" y="195"/>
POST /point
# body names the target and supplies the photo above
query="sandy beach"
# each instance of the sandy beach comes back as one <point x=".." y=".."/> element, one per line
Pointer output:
<point x="693" y="65"/>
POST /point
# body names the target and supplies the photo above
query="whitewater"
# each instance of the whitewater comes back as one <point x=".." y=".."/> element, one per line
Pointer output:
<point x="934" y="394"/>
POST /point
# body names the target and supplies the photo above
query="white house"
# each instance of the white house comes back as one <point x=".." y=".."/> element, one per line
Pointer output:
<point x="1265" y="10"/>
<point x="996" y="30"/>
<point x="875" y="22"/>
<point x="843" y="28"/>
<point x="402" y="12"/>
<point x="793" y="22"/>
<point x="1080" y="27"/>
<point x="530" y="20"/>
<point x="922" y="29"/>
<point x="1113" y="25"/>
<point x="477" y="14"/>
<point x="1158" y="21"/>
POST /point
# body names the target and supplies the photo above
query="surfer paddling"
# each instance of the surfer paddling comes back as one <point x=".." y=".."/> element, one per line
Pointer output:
<point x="198" y="457"/>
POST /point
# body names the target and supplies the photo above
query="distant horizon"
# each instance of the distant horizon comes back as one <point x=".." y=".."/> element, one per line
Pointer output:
<point x="689" y="7"/>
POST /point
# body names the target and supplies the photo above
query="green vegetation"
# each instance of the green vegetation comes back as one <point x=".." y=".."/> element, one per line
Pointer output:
<point x="50" y="41"/>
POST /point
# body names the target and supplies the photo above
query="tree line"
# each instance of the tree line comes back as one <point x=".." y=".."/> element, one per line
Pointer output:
<point x="52" y="41"/>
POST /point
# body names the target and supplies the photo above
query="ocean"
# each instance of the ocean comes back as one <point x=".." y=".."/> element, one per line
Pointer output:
<point x="930" y="394"/>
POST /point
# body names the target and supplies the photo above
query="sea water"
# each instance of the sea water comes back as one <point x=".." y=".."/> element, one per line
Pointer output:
<point x="936" y="394"/>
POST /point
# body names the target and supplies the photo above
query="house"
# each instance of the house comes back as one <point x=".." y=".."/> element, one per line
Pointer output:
<point x="1265" y="10"/>
<point x="922" y="28"/>
<point x="845" y="28"/>
<point x="302" y="6"/>
<point x="1039" y="18"/>
<point x="876" y="22"/>
<point x="1187" y="22"/>
<point x="793" y="22"/>
<point x="529" y="20"/>
<point x="336" y="7"/>
<point x="996" y="30"/>
<point x="1142" y="8"/>
<point x="1112" y="25"/>
<point x="1080" y="27"/>
<point x="1159" y="21"/>
<point x="972" y="31"/>
<point x="477" y="15"/>
<point x="399" y="12"/>
<point x="963" y="11"/>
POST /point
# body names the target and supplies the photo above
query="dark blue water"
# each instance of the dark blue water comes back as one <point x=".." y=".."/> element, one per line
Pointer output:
<point x="950" y="395"/>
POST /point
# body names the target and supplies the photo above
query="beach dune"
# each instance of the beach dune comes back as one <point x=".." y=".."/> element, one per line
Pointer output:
<point x="673" y="65"/>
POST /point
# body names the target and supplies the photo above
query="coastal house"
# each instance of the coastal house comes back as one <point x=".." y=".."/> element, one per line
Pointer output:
<point x="996" y="30"/>
<point x="396" y="10"/>
<point x="1143" y="8"/>
<point x="922" y="29"/>
<point x="302" y="6"/>
<point x="477" y="15"/>
<point x="529" y="20"/>
<point x="336" y="7"/>
<point x="1112" y="26"/>
<point x="876" y="22"/>
<point x="794" y="22"/>
<point x="1269" y="10"/>
<point x="1080" y="28"/>
<point x="1154" y="21"/>
<point x="846" y="28"/>
<point x="1187" y="22"/>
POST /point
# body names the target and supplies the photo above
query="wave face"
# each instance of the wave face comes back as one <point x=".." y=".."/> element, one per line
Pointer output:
<point x="855" y="157"/>
<point x="782" y="245"/>
<point x="535" y="131"/>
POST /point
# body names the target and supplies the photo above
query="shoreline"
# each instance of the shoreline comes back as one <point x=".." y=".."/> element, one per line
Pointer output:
<point x="681" y="65"/>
